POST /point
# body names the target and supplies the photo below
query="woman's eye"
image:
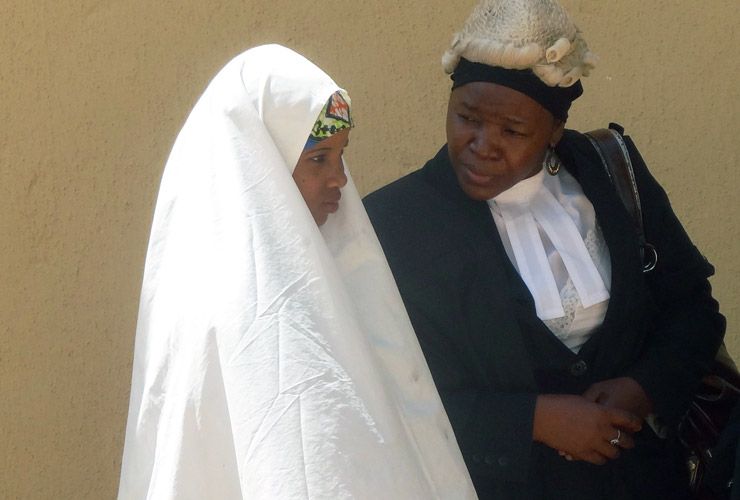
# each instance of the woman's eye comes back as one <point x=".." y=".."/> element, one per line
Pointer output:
<point x="515" y="133"/>
<point x="318" y="159"/>
<point x="468" y="118"/>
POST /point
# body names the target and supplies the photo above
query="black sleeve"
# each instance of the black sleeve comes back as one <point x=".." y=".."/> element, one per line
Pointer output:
<point x="688" y="329"/>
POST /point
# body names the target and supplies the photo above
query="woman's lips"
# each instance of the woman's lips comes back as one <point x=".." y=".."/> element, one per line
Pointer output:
<point x="474" y="177"/>
<point x="331" y="206"/>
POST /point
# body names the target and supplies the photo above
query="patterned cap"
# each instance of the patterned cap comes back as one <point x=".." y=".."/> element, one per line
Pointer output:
<point x="334" y="117"/>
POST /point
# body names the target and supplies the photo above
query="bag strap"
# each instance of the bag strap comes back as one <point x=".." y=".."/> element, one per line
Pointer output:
<point x="612" y="150"/>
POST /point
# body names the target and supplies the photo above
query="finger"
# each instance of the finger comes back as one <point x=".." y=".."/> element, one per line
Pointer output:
<point x="566" y="456"/>
<point x="625" y="420"/>
<point x="608" y="450"/>
<point x="593" y="393"/>
<point x="626" y="441"/>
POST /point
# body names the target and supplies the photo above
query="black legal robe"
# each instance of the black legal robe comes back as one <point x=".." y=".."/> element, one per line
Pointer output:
<point x="490" y="355"/>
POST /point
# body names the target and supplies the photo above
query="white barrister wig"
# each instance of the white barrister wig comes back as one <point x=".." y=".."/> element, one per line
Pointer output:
<point x="523" y="34"/>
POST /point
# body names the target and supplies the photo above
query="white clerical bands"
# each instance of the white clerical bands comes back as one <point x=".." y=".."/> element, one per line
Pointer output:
<point x="523" y="207"/>
<point x="615" y="441"/>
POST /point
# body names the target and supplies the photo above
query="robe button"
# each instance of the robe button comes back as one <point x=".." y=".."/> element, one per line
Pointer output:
<point x="578" y="368"/>
<point x="502" y="461"/>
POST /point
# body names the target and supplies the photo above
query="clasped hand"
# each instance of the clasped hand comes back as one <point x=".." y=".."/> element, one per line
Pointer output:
<point x="583" y="427"/>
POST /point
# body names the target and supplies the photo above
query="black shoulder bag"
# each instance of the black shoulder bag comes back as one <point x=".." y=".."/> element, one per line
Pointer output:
<point x="700" y="430"/>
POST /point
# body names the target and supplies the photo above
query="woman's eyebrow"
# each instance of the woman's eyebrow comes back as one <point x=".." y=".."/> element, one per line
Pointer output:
<point x="509" y="118"/>
<point x="515" y="120"/>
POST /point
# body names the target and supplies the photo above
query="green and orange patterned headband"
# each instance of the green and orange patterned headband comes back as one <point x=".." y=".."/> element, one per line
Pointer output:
<point x="334" y="117"/>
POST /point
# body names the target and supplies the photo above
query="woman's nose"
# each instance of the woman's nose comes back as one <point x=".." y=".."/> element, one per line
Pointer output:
<point x="485" y="144"/>
<point x="338" y="177"/>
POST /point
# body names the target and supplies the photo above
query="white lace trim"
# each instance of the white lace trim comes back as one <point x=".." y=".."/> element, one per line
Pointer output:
<point x="574" y="333"/>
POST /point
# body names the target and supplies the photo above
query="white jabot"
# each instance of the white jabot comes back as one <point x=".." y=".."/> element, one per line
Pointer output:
<point x="274" y="360"/>
<point x="549" y="231"/>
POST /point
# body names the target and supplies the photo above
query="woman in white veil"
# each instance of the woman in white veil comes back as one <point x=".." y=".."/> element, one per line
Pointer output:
<point x="275" y="359"/>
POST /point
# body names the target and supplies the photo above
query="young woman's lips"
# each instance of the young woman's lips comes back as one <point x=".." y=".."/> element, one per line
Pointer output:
<point x="331" y="206"/>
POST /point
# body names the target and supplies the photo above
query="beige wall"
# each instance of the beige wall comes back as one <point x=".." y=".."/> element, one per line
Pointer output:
<point x="92" y="95"/>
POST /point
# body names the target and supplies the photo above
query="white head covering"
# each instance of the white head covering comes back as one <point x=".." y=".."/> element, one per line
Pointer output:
<point x="271" y="361"/>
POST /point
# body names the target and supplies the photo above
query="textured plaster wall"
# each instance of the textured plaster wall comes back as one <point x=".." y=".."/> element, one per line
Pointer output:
<point x="93" y="93"/>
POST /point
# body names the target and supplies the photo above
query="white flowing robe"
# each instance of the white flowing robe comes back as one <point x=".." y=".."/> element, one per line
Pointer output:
<point x="274" y="360"/>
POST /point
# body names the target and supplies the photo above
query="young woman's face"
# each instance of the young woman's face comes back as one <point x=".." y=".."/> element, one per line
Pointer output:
<point x="320" y="175"/>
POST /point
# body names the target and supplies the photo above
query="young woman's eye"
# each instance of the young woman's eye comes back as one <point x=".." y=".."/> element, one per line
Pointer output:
<point x="318" y="158"/>
<point x="467" y="118"/>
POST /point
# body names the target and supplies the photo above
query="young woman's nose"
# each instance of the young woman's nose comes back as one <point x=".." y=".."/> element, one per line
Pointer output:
<point x="338" y="178"/>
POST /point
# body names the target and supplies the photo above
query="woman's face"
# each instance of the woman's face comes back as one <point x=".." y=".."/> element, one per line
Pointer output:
<point x="496" y="137"/>
<point x="319" y="175"/>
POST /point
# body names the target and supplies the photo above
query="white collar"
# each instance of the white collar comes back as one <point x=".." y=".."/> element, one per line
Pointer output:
<point x="527" y="205"/>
